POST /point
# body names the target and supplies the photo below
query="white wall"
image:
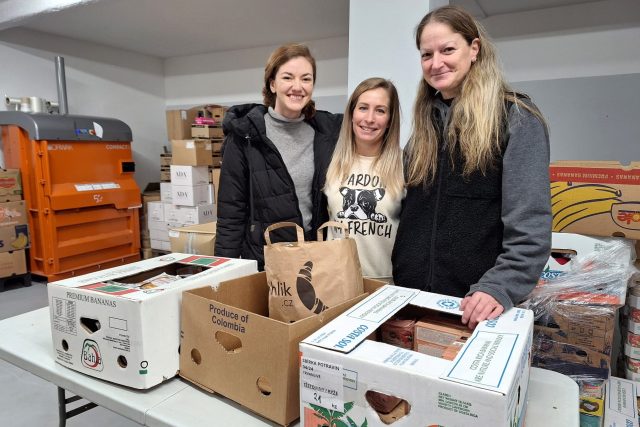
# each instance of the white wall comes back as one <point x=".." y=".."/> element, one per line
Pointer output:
<point x="233" y="77"/>
<point x="582" y="72"/>
<point x="101" y="81"/>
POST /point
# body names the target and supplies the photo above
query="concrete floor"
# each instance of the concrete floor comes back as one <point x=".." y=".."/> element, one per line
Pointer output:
<point x="26" y="400"/>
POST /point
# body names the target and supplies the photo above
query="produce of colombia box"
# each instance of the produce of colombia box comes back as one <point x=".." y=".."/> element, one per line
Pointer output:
<point x="596" y="197"/>
<point x="485" y="385"/>
<point x="194" y="239"/>
<point x="230" y="346"/>
<point x="122" y="324"/>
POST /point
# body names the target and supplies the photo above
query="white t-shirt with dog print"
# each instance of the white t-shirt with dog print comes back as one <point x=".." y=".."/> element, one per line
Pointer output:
<point x="372" y="215"/>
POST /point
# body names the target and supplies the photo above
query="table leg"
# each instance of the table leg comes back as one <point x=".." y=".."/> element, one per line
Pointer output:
<point x="63" y="415"/>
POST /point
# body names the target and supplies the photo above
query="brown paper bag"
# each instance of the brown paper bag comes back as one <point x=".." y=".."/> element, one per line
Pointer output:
<point x="305" y="278"/>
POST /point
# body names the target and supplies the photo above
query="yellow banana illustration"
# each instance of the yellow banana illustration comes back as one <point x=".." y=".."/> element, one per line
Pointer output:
<point x="571" y="203"/>
<point x="571" y="194"/>
<point x="20" y="242"/>
<point x="581" y="210"/>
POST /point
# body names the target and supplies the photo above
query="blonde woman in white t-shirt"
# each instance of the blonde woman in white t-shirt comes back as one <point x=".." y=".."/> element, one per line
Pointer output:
<point x="365" y="184"/>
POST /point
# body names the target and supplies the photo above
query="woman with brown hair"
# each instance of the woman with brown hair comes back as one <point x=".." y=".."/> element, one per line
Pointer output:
<point x="476" y="222"/>
<point x="275" y="159"/>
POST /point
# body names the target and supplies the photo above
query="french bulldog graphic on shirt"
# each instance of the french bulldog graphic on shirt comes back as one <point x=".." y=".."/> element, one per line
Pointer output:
<point x="361" y="204"/>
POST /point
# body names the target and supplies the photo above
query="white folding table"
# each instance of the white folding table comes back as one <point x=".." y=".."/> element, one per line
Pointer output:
<point x="25" y="341"/>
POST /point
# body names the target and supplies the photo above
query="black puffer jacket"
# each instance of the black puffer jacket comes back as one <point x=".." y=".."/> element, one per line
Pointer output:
<point x="256" y="189"/>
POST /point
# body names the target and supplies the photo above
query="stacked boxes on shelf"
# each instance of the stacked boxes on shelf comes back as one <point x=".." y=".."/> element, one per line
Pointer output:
<point x="631" y="334"/>
<point x="14" y="235"/>
<point x="150" y="194"/>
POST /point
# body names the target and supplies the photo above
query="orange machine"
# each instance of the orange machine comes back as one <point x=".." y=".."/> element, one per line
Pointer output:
<point x="83" y="202"/>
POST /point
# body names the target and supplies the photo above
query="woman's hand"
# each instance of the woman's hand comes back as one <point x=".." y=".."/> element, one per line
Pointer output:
<point x="478" y="307"/>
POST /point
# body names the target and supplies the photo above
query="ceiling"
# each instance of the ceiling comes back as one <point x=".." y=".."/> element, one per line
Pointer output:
<point x="172" y="28"/>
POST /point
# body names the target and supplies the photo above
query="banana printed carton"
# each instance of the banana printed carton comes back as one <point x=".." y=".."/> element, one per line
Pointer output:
<point x="348" y="378"/>
<point x="123" y="324"/>
<point x="596" y="198"/>
<point x="14" y="234"/>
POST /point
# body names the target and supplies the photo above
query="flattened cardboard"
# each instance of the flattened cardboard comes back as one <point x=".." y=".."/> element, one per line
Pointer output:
<point x="124" y="333"/>
<point x="599" y="198"/>
<point x="262" y="373"/>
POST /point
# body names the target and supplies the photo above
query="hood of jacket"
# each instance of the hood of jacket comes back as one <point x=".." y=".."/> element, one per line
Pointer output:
<point x="239" y="118"/>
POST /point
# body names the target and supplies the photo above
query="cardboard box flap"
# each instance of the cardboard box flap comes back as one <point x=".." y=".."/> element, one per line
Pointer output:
<point x="353" y="326"/>
<point x="487" y="360"/>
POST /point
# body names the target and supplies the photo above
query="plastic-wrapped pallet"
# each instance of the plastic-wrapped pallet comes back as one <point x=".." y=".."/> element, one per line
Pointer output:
<point x="576" y="312"/>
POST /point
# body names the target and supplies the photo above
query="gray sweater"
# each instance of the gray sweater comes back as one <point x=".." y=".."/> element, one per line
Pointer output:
<point x="294" y="140"/>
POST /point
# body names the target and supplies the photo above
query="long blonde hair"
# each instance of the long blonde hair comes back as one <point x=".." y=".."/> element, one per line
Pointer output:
<point x="478" y="114"/>
<point x="389" y="163"/>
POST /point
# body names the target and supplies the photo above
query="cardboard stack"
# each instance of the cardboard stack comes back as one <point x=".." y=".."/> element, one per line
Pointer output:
<point x="151" y="193"/>
<point x="187" y="197"/>
<point x="14" y="234"/>
<point x="576" y="305"/>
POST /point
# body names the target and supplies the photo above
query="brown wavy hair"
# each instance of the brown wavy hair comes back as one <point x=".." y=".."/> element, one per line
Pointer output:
<point x="279" y="57"/>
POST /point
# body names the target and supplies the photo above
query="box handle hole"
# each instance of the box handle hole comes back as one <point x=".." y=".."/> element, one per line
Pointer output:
<point x="65" y="345"/>
<point x="264" y="385"/>
<point x="231" y="343"/>
<point x="388" y="407"/>
<point x="196" y="357"/>
<point x="122" y="361"/>
<point x="90" y="325"/>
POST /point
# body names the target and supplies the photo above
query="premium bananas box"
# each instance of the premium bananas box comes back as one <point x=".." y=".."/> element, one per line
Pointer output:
<point x="596" y="198"/>
<point x="123" y="324"/>
<point x="344" y="372"/>
<point x="14" y="232"/>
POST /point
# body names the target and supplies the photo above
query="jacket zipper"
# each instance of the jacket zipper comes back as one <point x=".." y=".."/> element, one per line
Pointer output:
<point x="434" y="226"/>
<point x="272" y="147"/>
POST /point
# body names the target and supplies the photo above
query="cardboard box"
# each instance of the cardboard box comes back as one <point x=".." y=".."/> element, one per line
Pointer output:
<point x="10" y="183"/>
<point x="588" y="326"/>
<point x="620" y="403"/>
<point x="230" y="346"/>
<point x="155" y="211"/>
<point x="14" y="232"/>
<point x="107" y="326"/>
<point x="179" y="122"/>
<point x="165" y="192"/>
<point x="216" y="161"/>
<point x="165" y="159"/>
<point x="206" y="131"/>
<point x="194" y="239"/>
<point x="13" y="263"/>
<point x="189" y="175"/>
<point x="485" y="385"/>
<point x="568" y="359"/>
<point x="165" y="174"/>
<point x="191" y="152"/>
<point x="216" y="146"/>
<point x="192" y="195"/>
<point x="159" y="234"/>
<point x="190" y="215"/>
<point x="596" y="198"/>
<point x="160" y="245"/>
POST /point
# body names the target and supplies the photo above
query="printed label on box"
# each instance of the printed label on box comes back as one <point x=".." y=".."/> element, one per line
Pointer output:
<point x="484" y="359"/>
<point x="64" y="316"/>
<point x="379" y="309"/>
<point x="321" y="384"/>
